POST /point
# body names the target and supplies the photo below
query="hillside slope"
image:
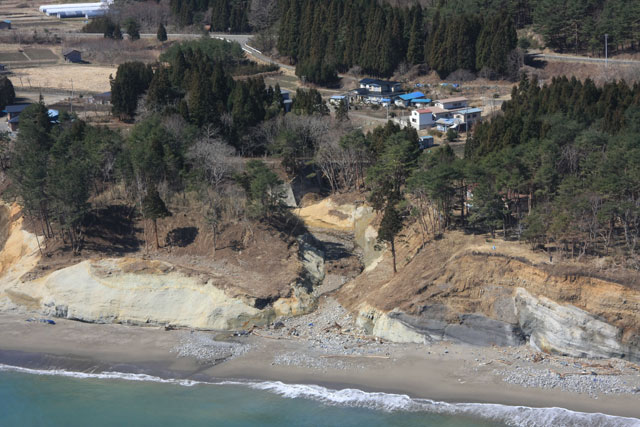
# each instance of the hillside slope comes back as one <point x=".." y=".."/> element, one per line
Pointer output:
<point x="470" y="290"/>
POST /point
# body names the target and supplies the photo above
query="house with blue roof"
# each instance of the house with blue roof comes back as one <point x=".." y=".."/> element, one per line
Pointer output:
<point x="5" y="25"/>
<point x="13" y="115"/>
<point x="335" y="99"/>
<point x="420" y="102"/>
<point x="405" y="100"/>
<point x="444" y="125"/>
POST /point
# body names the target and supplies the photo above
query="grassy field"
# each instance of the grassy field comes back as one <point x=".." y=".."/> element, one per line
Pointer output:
<point x="12" y="57"/>
<point x="83" y="78"/>
<point x="41" y="54"/>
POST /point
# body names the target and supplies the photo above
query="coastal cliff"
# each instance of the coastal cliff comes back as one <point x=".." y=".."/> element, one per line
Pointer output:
<point x="461" y="288"/>
<point x="465" y="289"/>
<point x="136" y="290"/>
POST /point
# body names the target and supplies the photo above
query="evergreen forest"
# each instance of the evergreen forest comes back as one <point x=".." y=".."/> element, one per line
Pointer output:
<point x="329" y="37"/>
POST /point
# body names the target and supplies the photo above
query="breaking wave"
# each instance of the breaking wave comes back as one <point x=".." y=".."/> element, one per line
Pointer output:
<point x="511" y="415"/>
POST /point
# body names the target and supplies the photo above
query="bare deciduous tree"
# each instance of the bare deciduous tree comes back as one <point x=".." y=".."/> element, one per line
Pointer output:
<point x="216" y="160"/>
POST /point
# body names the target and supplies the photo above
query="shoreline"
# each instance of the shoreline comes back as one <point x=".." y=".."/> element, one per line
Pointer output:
<point x="442" y="375"/>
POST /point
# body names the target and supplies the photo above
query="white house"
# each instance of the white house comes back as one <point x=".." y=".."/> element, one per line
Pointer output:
<point x="452" y="103"/>
<point x="380" y="86"/>
<point x="421" y="119"/>
<point x="469" y="116"/>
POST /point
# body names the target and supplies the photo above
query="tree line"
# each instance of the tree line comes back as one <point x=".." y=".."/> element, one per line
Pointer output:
<point x="225" y="15"/>
<point x="580" y="25"/>
<point x="195" y="80"/>
<point x="324" y="38"/>
<point x="570" y="150"/>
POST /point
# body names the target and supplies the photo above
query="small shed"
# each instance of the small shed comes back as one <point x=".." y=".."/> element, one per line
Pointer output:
<point x="286" y="100"/>
<point x="2" y="67"/>
<point x="5" y="25"/>
<point x="426" y="142"/>
<point x="72" y="55"/>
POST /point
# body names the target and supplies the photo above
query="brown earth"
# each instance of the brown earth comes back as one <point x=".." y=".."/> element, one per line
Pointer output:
<point x="255" y="259"/>
<point x="465" y="274"/>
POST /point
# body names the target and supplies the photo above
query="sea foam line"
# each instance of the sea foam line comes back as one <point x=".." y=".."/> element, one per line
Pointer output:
<point x="511" y="415"/>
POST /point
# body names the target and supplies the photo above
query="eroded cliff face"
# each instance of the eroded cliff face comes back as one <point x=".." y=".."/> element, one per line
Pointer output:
<point x="463" y="289"/>
<point x="460" y="288"/>
<point x="141" y="291"/>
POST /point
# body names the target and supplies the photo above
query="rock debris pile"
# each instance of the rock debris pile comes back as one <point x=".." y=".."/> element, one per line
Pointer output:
<point x="577" y="376"/>
<point x="205" y="348"/>
<point x="331" y="339"/>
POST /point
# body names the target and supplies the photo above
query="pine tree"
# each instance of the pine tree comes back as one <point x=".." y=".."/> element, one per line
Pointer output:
<point x="7" y="93"/>
<point x="162" y="33"/>
<point x="154" y="208"/>
<point x="28" y="170"/>
<point x="390" y="226"/>
<point x="415" y="49"/>
<point x="117" y="33"/>
<point x="132" y="80"/>
<point x="342" y="113"/>
<point x="133" y="29"/>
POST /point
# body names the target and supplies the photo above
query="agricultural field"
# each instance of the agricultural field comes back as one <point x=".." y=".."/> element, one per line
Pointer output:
<point x="80" y="78"/>
<point x="35" y="54"/>
<point x="15" y="56"/>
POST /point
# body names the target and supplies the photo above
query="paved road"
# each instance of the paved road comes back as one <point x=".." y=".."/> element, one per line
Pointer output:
<point x="567" y="58"/>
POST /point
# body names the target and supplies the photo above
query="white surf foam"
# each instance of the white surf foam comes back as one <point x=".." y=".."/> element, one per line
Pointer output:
<point x="99" y="375"/>
<point x="521" y="416"/>
<point x="510" y="415"/>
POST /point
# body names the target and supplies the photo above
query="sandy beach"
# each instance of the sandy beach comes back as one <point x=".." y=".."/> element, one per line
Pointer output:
<point x="441" y="371"/>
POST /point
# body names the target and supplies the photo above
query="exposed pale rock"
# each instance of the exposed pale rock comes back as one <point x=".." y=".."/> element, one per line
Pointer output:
<point x="105" y="291"/>
<point x="312" y="260"/>
<point x="383" y="326"/>
<point x="327" y="214"/>
<point x="366" y="237"/>
<point x="565" y="329"/>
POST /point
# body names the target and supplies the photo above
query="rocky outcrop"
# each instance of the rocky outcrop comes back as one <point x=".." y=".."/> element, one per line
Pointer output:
<point x="384" y="326"/>
<point x="141" y="291"/>
<point x="18" y="248"/>
<point x="138" y="292"/>
<point x="567" y="330"/>
<point x="461" y="288"/>
<point x="473" y="329"/>
<point x="349" y="219"/>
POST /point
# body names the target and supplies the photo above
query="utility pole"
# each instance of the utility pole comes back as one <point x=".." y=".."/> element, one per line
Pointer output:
<point x="71" y="99"/>
<point x="606" y="50"/>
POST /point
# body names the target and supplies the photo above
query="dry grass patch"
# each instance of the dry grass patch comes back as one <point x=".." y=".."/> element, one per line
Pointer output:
<point x="85" y="78"/>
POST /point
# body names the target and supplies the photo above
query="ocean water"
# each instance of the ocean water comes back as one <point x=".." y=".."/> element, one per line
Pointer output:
<point x="61" y="398"/>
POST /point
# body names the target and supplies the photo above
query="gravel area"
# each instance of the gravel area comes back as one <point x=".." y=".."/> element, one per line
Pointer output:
<point x="205" y="348"/>
<point x="330" y="337"/>
<point x="592" y="377"/>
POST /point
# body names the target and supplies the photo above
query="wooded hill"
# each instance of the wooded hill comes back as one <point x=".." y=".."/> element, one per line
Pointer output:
<point x="327" y="37"/>
<point x="324" y="38"/>
<point x="572" y="151"/>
